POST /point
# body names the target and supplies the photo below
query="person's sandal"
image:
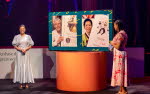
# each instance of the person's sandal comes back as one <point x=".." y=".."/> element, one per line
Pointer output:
<point x="119" y="92"/>
<point x="126" y="93"/>
<point x="21" y="87"/>
<point x="27" y="86"/>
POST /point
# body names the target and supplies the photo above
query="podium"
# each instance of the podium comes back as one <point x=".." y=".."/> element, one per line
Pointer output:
<point x="81" y="71"/>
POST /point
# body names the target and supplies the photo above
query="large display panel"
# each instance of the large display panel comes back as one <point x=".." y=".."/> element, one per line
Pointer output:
<point x="80" y="30"/>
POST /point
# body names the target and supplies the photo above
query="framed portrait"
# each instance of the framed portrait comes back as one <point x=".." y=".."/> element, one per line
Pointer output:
<point x="80" y="30"/>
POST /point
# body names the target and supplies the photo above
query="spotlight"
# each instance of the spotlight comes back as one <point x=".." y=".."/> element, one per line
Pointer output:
<point x="7" y="0"/>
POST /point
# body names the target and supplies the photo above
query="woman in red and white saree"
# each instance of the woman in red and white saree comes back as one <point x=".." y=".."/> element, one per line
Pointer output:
<point x="119" y="71"/>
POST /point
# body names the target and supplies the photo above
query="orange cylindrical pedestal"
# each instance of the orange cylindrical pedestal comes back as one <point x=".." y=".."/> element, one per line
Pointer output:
<point x="81" y="71"/>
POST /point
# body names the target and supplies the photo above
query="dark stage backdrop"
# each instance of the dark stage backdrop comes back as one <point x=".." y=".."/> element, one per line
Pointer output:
<point x="134" y="13"/>
<point x="33" y="13"/>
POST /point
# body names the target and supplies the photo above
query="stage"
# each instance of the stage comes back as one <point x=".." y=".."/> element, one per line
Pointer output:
<point x="48" y="86"/>
<point x="91" y="70"/>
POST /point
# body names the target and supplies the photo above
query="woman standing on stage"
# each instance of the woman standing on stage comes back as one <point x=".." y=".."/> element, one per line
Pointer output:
<point x="119" y="71"/>
<point x="23" y="71"/>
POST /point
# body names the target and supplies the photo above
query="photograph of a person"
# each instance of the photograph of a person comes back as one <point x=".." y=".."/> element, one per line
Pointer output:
<point x="64" y="33"/>
<point x="23" y="70"/>
<point x="95" y="30"/>
<point x="88" y="27"/>
<point x="57" y="37"/>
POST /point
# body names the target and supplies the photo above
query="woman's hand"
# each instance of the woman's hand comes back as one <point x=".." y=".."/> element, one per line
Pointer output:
<point x="24" y="50"/>
<point x="116" y="45"/>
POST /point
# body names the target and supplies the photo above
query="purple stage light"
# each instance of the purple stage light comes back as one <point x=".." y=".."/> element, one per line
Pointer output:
<point x="7" y="0"/>
<point x="76" y="4"/>
<point x="10" y="4"/>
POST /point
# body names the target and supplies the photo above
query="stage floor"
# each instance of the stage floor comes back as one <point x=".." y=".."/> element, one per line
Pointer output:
<point x="48" y="86"/>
